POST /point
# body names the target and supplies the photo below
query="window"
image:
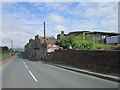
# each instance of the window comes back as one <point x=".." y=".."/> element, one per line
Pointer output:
<point x="36" y="46"/>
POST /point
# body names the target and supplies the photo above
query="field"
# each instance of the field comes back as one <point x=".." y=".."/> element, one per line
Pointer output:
<point x="4" y="55"/>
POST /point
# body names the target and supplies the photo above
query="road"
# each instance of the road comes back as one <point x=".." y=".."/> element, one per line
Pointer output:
<point x="21" y="72"/>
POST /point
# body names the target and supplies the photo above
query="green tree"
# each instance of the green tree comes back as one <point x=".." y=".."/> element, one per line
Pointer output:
<point x="5" y="49"/>
<point x="83" y="45"/>
<point x="66" y="42"/>
<point x="89" y="37"/>
<point x="83" y="42"/>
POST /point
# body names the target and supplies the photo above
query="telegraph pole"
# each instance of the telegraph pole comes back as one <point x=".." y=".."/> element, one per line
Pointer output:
<point x="44" y="34"/>
<point x="45" y="43"/>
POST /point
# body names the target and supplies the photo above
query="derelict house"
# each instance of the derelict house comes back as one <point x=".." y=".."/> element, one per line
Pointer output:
<point x="36" y="48"/>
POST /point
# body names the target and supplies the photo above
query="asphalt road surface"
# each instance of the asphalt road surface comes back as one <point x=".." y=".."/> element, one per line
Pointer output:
<point x="21" y="72"/>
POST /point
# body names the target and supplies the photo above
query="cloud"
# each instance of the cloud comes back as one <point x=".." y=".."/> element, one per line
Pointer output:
<point x="102" y="16"/>
<point x="17" y="27"/>
<point x="109" y="25"/>
<point x="55" y="19"/>
<point x="83" y="25"/>
<point x="59" y="28"/>
<point x="92" y="12"/>
<point x="37" y="1"/>
<point x="52" y="6"/>
<point x="21" y="22"/>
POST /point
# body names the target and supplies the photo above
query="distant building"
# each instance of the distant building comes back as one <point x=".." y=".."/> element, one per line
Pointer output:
<point x="59" y="36"/>
<point x="113" y="40"/>
<point x="76" y="33"/>
<point x="98" y="37"/>
<point x="51" y="44"/>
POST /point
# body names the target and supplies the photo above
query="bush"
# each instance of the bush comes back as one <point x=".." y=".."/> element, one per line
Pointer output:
<point x="66" y="42"/>
<point x="77" y="42"/>
<point x="83" y="45"/>
<point x="4" y="48"/>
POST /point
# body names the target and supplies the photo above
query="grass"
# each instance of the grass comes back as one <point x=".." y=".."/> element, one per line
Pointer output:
<point x="103" y="45"/>
<point x="4" y="55"/>
<point x="107" y="46"/>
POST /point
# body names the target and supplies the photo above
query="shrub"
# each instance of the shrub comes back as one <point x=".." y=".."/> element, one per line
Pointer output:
<point x="66" y="42"/>
<point x="77" y="42"/>
<point x="83" y="45"/>
<point x="4" y="48"/>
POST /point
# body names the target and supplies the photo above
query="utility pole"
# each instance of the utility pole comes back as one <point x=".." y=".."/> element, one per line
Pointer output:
<point x="45" y="43"/>
<point x="44" y="34"/>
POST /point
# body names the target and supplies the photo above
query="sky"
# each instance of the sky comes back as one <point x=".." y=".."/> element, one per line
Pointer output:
<point x="23" y="20"/>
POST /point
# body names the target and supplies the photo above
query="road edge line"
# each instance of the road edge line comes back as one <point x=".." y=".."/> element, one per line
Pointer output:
<point x="89" y="73"/>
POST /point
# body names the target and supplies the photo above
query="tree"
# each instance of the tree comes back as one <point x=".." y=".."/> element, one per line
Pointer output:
<point x="66" y="42"/>
<point x="83" y="42"/>
<point x="5" y="49"/>
<point x="83" y="45"/>
<point x="89" y="37"/>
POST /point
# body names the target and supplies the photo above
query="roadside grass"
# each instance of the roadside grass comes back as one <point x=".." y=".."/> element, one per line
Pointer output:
<point x="107" y="47"/>
<point x="4" y="55"/>
<point x="103" y="45"/>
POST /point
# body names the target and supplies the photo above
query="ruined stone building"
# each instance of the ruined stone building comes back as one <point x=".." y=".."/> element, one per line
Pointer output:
<point x="51" y="44"/>
<point x="36" y="48"/>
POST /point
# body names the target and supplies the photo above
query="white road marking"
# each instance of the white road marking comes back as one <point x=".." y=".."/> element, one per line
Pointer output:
<point x="24" y="62"/>
<point x="26" y="66"/>
<point x="32" y="76"/>
<point x="30" y="72"/>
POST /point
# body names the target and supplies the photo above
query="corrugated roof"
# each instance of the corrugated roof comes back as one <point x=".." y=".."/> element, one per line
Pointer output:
<point x="96" y="32"/>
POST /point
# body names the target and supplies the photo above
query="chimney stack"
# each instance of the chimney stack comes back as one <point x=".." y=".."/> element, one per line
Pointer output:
<point x="62" y="32"/>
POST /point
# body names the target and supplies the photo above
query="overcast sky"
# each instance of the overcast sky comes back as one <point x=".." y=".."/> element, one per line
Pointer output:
<point x="23" y="20"/>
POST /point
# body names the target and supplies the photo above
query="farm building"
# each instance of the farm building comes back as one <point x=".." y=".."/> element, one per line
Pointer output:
<point x="98" y="37"/>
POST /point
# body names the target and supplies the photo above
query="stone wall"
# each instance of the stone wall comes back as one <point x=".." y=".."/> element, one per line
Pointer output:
<point x="99" y="61"/>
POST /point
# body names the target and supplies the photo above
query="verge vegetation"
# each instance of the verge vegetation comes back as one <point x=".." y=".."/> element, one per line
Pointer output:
<point x="84" y="42"/>
<point x="4" y="55"/>
<point x="5" y="52"/>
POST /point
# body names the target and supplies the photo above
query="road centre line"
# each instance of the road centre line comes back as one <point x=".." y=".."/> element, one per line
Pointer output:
<point x="30" y="72"/>
<point x="33" y="76"/>
<point x="26" y="66"/>
<point x="23" y="62"/>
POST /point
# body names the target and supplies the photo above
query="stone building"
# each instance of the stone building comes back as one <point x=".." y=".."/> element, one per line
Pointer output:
<point x="38" y="49"/>
<point x="51" y="44"/>
<point x="59" y="36"/>
<point x="35" y="48"/>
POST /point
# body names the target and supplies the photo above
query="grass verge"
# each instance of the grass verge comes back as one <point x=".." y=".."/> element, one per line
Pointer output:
<point x="107" y="47"/>
<point x="5" y="55"/>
